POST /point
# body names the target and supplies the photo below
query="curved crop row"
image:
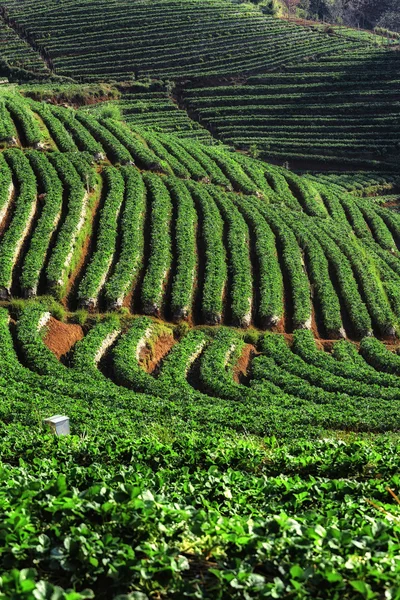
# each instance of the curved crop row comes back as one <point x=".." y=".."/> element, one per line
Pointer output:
<point x="132" y="239"/>
<point x="25" y="205"/>
<point x="51" y="199"/>
<point x="106" y="236"/>
<point x="215" y="270"/>
<point x="25" y="120"/>
<point x="142" y="156"/>
<point x="185" y="249"/>
<point x="76" y="197"/>
<point x="216" y="366"/>
<point x="159" y="262"/>
<point x="89" y="351"/>
<point x="61" y="136"/>
<point x="268" y="276"/>
<point x="238" y="245"/>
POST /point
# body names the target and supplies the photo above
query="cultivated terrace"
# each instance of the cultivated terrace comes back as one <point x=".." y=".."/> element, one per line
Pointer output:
<point x="200" y="269"/>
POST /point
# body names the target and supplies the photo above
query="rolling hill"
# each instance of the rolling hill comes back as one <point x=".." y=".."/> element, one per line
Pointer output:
<point x="222" y="331"/>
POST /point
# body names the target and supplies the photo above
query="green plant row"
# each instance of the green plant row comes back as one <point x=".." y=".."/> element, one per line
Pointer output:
<point x="217" y="364"/>
<point x="292" y="364"/>
<point x="308" y="197"/>
<point x="6" y="186"/>
<point x="80" y="134"/>
<point x="389" y="277"/>
<point x="277" y="181"/>
<point x="130" y="254"/>
<point x="377" y="226"/>
<point x="292" y="262"/>
<point x="391" y="219"/>
<point x="365" y="273"/>
<point x="7" y="128"/>
<point x="113" y="147"/>
<point x="175" y="149"/>
<point x="215" y="269"/>
<point x="267" y="273"/>
<point x="214" y="172"/>
<point x="272" y="378"/>
<point x="324" y="294"/>
<point x="256" y="171"/>
<point x="378" y="356"/>
<point x="166" y="157"/>
<point x="89" y="351"/>
<point x="106" y="236"/>
<point x="76" y="198"/>
<point x="160" y="252"/>
<point x="344" y="361"/>
<point x="348" y="288"/>
<point x="331" y="199"/>
<point x="185" y="251"/>
<point x="63" y="139"/>
<point x="355" y="217"/>
<point x="125" y="357"/>
<point x="26" y="122"/>
<point x="31" y="329"/>
<point x="24" y="209"/>
<point x="233" y="171"/>
<point x="143" y="157"/>
<point x="174" y="370"/>
<point x="51" y="206"/>
<point x="238" y="246"/>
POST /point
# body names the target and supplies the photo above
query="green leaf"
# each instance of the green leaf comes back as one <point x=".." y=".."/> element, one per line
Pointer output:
<point x="296" y="572"/>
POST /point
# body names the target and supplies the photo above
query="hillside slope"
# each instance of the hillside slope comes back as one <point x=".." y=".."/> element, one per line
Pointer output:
<point x="171" y="39"/>
<point x="219" y="236"/>
<point x="339" y="110"/>
<point x="222" y="333"/>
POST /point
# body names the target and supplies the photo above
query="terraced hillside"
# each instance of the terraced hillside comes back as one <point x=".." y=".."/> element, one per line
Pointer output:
<point x="17" y="56"/>
<point x="341" y="109"/>
<point x="150" y="106"/>
<point x="218" y="237"/>
<point x="223" y="333"/>
<point x="172" y="39"/>
<point x="145" y="492"/>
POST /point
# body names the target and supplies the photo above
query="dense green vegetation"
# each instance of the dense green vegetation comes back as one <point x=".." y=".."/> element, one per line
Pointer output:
<point x="223" y="333"/>
<point x="98" y="40"/>
<point x="18" y="58"/>
<point x="169" y="489"/>
<point x="338" y="110"/>
<point x="227" y="238"/>
<point x="151" y="107"/>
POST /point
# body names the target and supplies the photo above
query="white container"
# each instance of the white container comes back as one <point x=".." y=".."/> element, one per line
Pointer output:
<point x="58" y="424"/>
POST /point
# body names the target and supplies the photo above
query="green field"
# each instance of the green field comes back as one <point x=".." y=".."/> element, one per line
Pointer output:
<point x="200" y="267"/>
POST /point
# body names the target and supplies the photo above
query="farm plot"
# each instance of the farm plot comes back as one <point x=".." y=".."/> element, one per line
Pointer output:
<point x="151" y="107"/>
<point x="223" y="333"/>
<point x="330" y="385"/>
<point x="167" y="39"/>
<point x="339" y="110"/>
<point x="205" y="390"/>
<point x="216" y="237"/>
<point x="18" y="59"/>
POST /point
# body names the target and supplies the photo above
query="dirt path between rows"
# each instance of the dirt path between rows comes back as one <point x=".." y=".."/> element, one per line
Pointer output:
<point x="61" y="337"/>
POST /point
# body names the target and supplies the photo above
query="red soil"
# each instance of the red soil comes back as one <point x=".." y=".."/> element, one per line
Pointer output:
<point x="392" y="204"/>
<point x="314" y="326"/>
<point x="128" y="300"/>
<point x="61" y="337"/>
<point x="242" y="366"/>
<point x="151" y="357"/>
